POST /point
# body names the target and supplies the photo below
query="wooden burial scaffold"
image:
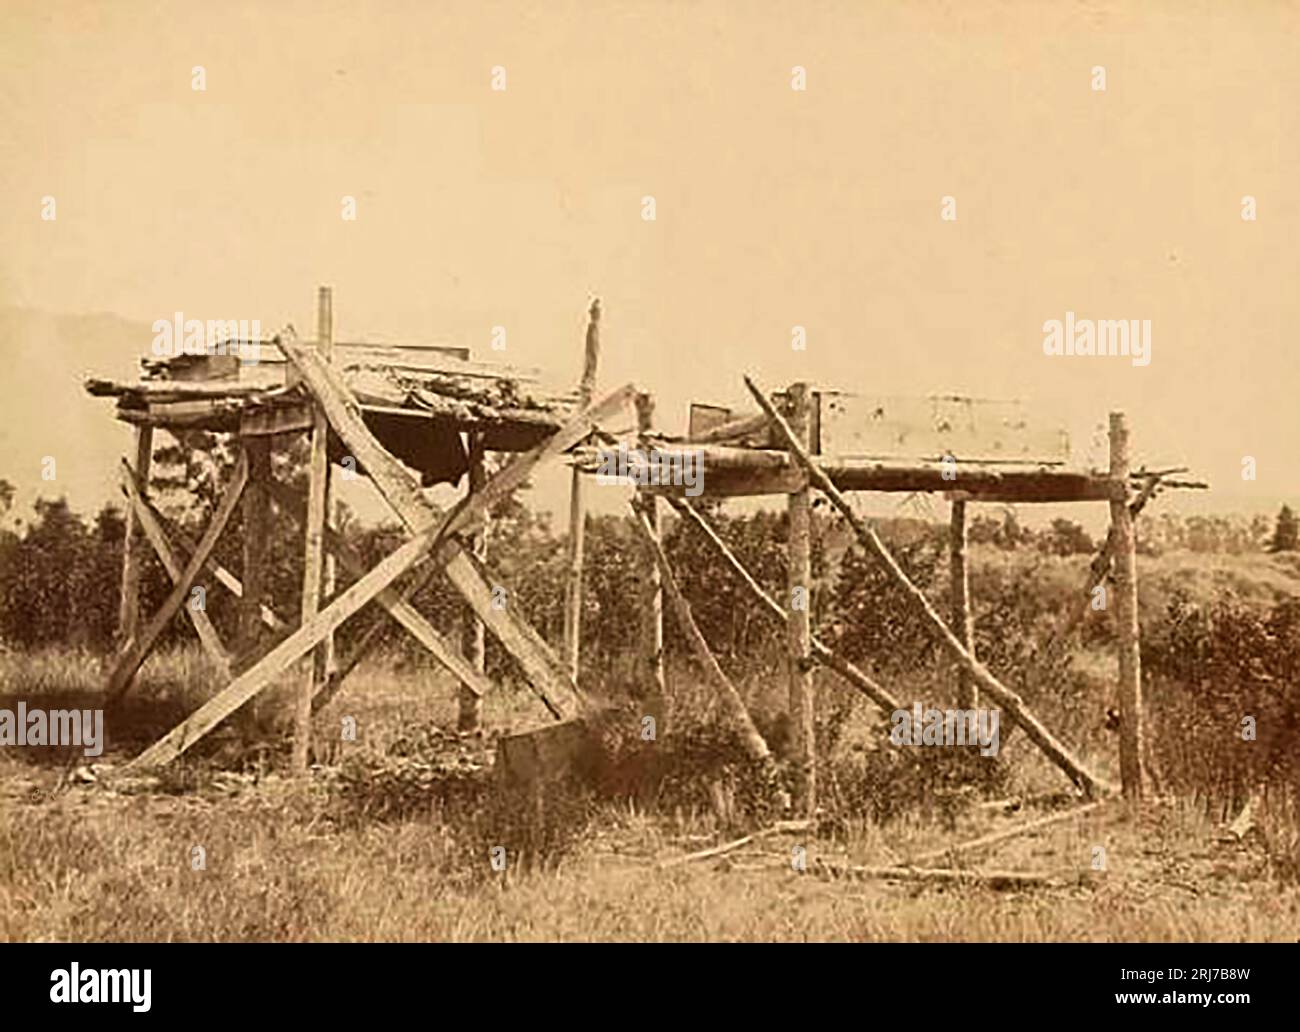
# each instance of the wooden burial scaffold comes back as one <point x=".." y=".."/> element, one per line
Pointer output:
<point x="397" y="414"/>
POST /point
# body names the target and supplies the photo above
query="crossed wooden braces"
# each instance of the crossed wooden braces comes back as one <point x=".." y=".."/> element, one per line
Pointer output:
<point x="432" y="540"/>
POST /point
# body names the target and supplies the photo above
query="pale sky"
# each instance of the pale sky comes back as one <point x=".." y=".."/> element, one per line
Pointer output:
<point x="774" y="207"/>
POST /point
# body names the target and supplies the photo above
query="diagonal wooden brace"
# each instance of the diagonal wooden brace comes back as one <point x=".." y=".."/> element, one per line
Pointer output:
<point x="157" y="537"/>
<point x="750" y="739"/>
<point x="223" y="576"/>
<point x="285" y="654"/>
<point x="398" y="608"/>
<point x="138" y="648"/>
<point x="873" y="690"/>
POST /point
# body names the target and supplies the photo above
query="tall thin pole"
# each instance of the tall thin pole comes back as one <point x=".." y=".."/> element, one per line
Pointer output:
<point x="1124" y="551"/>
<point x="474" y="642"/>
<point x="799" y="623"/>
<point x="652" y="613"/>
<point x="577" y="506"/>
<point x="314" y="538"/>
<point x="962" y="623"/>
<point x="133" y="545"/>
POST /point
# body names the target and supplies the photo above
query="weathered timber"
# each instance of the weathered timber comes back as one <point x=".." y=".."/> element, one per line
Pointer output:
<point x="963" y="622"/>
<point x="313" y="528"/>
<point x="391" y="600"/>
<point x="993" y="879"/>
<point x="578" y="508"/>
<point x="984" y="841"/>
<point x="652" y="610"/>
<point x="128" y="618"/>
<point x="1124" y="557"/>
<point x="799" y="673"/>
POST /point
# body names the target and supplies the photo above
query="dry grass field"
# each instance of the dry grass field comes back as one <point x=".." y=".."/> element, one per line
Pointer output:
<point x="375" y="848"/>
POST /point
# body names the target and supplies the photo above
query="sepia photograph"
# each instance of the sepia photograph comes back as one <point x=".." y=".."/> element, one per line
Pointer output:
<point x="650" y="471"/>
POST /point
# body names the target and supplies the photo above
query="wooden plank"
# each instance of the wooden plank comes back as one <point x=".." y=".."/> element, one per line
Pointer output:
<point x="701" y="419"/>
<point x="208" y="636"/>
<point x="128" y="618"/>
<point x="970" y="429"/>
<point x="1011" y="703"/>
<point x="1124" y="556"/>
<point x="733" y="705"/>
<point x="578" y="509"/>
<point x="268" y="420"/>
<point x="313" y="564"/>
<point x="799" y="674"/>
<point x="134" y="654"/>
<point x="749" y="428"/>
<point x="285" y="654"/>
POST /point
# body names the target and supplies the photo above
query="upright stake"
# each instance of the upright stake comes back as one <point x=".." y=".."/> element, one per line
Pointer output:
<point x="1124" y="552"/>
<point x="962" y="623"/>
<point x="314" y="539"/>
<point x="798" y="623"/>
<point x="470" y="707"/>
<point x="256" y="535"/>
<point x="323" y="658"/>
<point x="652" y="613"/>
<point x="577" y="508"/>
<point x="133" y="546"/>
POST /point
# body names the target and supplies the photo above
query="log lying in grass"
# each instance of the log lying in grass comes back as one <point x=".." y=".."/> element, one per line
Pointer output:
<point x="992" y="879"/>
<point x="779" y="828"/>
<point x="1002" y="836"/>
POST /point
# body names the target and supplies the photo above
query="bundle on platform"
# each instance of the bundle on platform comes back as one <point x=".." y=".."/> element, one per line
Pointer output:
<point x="417" y="399"/>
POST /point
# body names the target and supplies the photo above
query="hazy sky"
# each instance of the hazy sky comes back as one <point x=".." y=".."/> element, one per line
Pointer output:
<point x="775" y="207"/>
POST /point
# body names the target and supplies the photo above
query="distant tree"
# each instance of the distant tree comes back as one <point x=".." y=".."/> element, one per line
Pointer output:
<point x="1286" y="533"/>
<point x="1065" y="537"/>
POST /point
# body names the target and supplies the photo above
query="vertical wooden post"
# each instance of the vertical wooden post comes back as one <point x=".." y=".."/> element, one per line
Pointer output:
<point x="1126" y="614"/>
<point x="256" y="534"/>
<point x="652" y="613"/>
<point x="313" y="537"/>
<point x="474" y="643"/>
<point x="799" y="624"/>
<point x="963" y="625"/>
<point x="577" y="508"/>
<point x="133" y="544"/>
<point x="323" y="657"/>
